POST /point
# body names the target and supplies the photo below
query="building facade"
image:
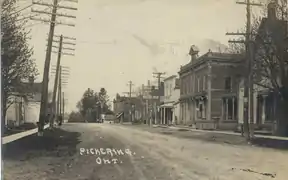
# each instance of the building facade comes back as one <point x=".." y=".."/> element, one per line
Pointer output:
<point x="169" y="110"/>
<point x="26" y="104"/>
<point x="128" y="109"/>
<point x="208" y="91"/>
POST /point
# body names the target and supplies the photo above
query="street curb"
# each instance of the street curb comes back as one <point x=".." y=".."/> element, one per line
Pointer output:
<point x="14" y="137"/>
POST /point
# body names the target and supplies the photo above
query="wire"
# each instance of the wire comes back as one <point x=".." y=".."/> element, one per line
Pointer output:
<point x="30" y="25"/>
<point x="35" y="15"/>
<point x="22" y="9"/>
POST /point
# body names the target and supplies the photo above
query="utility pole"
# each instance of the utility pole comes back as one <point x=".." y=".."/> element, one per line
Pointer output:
<point x="57" y="77"/>
<point x="45" y="80"/>
<point x="248" y="84"/>
<point x="130" y="84"/>
<point x="59" y="94"/>
<point x="63" y="105"/>
<point x="64" y="73"/>
<point x="58" y="73"/>
<point x="158" y="75"/>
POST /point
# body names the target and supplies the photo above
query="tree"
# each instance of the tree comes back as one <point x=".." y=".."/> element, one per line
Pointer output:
<point x="92" y="104"/>
<point x="87" y="103"/>
<point x="270" y="62"/>
<point x="75" y="117"/>
<point x="104" y="100"/>
<point x="16" y="62"/>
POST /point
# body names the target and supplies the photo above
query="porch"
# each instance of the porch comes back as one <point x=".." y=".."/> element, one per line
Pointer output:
<point x="166" y="113"/>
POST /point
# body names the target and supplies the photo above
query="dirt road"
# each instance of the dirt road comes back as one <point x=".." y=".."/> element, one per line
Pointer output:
<point x="108" y="152"/>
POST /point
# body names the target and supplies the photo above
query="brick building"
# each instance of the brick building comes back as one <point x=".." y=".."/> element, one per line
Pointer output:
<point x="128" y="109"/>
<point x="208" y="91"/>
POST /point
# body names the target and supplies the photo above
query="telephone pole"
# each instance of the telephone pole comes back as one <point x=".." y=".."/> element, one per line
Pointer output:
<point x="63" y="75"/>
<point x="57" y="77"/>
<point x="58" y="112"/>
<point x="158" y="75"/>
<point x="59" y="94"/>
<point x="52" y="21"/>
<point x="248" y="83"/>
<point x="130" y="84"/>
<point x="58" y="73"/>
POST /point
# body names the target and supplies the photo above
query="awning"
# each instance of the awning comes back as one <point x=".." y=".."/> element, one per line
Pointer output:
<point x="176" y="102"/>
<point x="167" y="105"/>
<point x="119" y="115"/>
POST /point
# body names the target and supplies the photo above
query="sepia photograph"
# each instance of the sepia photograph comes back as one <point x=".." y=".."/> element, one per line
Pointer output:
<point x="144" y="89"/>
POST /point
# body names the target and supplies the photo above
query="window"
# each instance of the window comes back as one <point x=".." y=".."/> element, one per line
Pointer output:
<point x="228" y="83"/>
<point x="201" y="109"/>
<point x="181" y="86"/>
<point x="204" y="83"/>
<point x="198" y="84"/>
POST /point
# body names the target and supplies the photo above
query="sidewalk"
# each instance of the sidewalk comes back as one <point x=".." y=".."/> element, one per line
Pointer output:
<point x="219" y="132"/>
<point x="222" y="137"/>
<point x="16" y="136"/>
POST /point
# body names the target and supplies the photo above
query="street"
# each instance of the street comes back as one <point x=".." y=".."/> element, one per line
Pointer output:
<point x="87" y="151"/>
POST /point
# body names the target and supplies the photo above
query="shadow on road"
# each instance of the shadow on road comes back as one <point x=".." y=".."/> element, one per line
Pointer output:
<point x="54" y="143"/>
<point x="271" y="143"/>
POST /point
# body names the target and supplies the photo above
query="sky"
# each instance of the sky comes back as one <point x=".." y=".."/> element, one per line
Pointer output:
<point x="123" y="40"/>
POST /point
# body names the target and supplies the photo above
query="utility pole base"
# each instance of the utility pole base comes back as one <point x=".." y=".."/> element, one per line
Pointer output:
<point x="40" y="134"/>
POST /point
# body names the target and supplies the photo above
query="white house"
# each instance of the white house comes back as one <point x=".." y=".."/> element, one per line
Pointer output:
<point x="170" y="110"/>
<point x="26" y="105"/>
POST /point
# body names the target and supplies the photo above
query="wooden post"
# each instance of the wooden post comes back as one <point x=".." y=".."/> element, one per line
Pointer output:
<point x="233" y="108"/>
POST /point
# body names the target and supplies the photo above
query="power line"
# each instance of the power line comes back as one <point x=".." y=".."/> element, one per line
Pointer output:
<point x="30" y="16"/>
<point x="22" y="9"/>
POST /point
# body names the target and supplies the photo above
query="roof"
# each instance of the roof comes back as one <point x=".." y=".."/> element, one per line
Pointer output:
<point x="277" y="28"/>
<point x="29" y="88"/>
<point x="213" y="56"/>
<point x="170" y="77"/>
<point x="133" y="100"/>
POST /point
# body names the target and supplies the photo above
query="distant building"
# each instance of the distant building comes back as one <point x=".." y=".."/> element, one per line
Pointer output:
<point x="169" y="110"/>
<point x="128" y="109"/>
<point x="142" y="107"/>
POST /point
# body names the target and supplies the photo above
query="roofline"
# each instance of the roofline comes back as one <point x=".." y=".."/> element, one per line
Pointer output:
<point x="208" y="59"/>
<point x="170" y="77"/>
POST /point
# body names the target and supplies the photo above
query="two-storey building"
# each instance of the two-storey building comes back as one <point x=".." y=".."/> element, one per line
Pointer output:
<point x="169" y="110"/>
<point x="128" y="109"/>
<point x="209" y="90"/>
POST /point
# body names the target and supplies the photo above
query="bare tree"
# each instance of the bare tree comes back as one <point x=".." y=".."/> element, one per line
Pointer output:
<point x="270" y="62"/>
<point x="16" y="61"/>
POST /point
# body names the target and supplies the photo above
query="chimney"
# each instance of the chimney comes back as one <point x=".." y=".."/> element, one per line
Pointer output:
<point x="272" y="9"/>
<point x="148" y="83"/>
<point x="193" y="52"/>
